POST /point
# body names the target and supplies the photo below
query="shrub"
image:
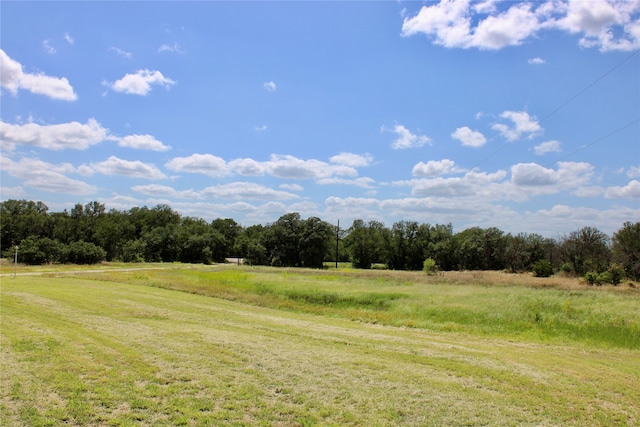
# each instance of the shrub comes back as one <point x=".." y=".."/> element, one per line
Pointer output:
<point x="430" y="267"/>
<point x="542" y="268"/>
<point x="39" y="250"/>
<point x="612" y="276"/>
<point x="592" y="278"/>
<point x="567" y="268"/>
<point x="84" y="253"/>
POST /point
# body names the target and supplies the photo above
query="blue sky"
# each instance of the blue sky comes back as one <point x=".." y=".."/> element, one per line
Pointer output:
<point x="518" y="115"/>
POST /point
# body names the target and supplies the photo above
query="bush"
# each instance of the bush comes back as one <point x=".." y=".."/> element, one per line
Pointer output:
<point x="84" y="253"/>
<point x="39" y="250"/>
<point x="566" y="268"/>
<point x="612" y="276"/>
<point x="542" y="268"/>
<point x="430" y="267"/>
<point x="592" y="278"/>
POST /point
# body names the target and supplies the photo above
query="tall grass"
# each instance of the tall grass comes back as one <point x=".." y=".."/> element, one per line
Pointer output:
<point x="483" y="303"/>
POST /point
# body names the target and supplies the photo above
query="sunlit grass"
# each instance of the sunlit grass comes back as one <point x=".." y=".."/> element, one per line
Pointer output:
<point x="496" y="304"/>
<point x="160" y="348"/>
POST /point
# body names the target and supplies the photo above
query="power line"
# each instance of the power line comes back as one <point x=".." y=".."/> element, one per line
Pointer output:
<point x="506" y="144"/>
<point x="584" y="147"/>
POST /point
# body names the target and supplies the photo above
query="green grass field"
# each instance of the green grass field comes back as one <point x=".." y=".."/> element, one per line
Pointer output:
<point x="228" y="345"/>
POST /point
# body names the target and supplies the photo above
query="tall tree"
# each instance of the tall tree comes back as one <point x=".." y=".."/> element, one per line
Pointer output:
<point x="626" y="249"/>
<point x="586" y="249"/>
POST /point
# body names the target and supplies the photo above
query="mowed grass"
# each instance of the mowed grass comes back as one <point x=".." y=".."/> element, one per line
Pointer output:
<point x="268" y="347"/>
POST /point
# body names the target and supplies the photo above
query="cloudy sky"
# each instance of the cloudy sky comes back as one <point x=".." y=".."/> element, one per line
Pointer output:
<point x="519" y="115"/>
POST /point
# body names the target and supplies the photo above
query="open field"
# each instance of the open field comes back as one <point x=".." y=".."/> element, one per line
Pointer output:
<point x="196" y="345"/>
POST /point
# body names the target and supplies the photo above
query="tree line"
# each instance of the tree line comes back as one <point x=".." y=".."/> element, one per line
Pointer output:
<point x="90" y="234"/>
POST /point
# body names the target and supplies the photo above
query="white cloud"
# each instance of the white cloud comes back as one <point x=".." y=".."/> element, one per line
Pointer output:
<point x="206" y="164"/>
<point x="290" y="167"/>
<point x="292" y="187"/>
<point x="434" y="168"/>
<point x="136" y="169"/>
<point x="363" y="182"/>
<point x="568" y="175"/>
<point x="11" y="192"/>
<point x="547" y="147"/>
<point x="351" y="159"/>
<point x="120" y="52"/>
<point x="46" y="44"/>
<point x="589" y="191"/>
<point x="46" y="176"/>
<point x="247" y="167"/>
<point x="68" y="38"/>
<point x="260" y="128"/>
<point x="633" y="172"/>
<point x="73" y="135"/>
<point x="536" y="61"/>
<point x="269" y="86"/>
<point x="523" y="124"/>
<point x="468" y="137"/>
<point x="406" y="139"/>
<point x="13" y="78"/>
<point x="143" y="142"/>
<point x="606" y="24"/>
<point x="247" y="190"/>
<point x="175" y="48"/>
<point x="165" y="191"/>
<point x="629" y="191"/>
<point x="140" y="83"/>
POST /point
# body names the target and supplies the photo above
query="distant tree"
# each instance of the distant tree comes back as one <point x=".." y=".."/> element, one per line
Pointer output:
<point x="586" y="250"/>
<point x="364" y="243"/>
<point x="20" y="219"/>
<point x="84" y="253"/>
<point x="626" y="249"/>
<point x="316" y="240"/>
<point x="39" y="250"/>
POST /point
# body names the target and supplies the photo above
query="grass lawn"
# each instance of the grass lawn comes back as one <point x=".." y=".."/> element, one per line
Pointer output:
<point x="198" y="345"/>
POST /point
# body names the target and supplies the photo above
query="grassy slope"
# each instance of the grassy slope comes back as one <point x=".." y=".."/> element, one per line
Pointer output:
<point x="103" y="352"/>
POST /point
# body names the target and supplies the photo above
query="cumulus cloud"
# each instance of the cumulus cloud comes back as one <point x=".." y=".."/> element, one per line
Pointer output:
<point x="143" y="142"/>
<point x="247" y="167"/>
<point x="468" y="137"/>
<point x="363" y="182"/>
<point x="157" y="190"/>
<point x="292" y="187"/>
<point x="132" y="169"/>
<point x="633" y="172"/>
<point x="12" y="78"/>
<point x="72" y="135"/>
<point x="522" y="124"/>
<point x="46" y="45"/>
<point x="434" y="168"/>
<point x="290" y="167"/>
<point x="247" y="190"/>
<point x="68" y="38"/>
<point x="46" y="176"/>
<point x="547" y="147"/>
<point x="140" y="83"/>
<point x="606" y="24"/>
<point x="568" y="175"/>
<point x="206" y="164"/>
<point x="269" y="86"/>
<point x="351" y="159"/>
<point x="629" y="191"/>
<point x="405" y="138"/>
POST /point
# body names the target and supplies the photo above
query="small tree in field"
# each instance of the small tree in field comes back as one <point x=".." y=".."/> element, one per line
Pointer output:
<point x="430" y="267"/>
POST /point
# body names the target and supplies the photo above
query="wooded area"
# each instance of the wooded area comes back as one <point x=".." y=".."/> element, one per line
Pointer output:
<point x="90" y="234"/>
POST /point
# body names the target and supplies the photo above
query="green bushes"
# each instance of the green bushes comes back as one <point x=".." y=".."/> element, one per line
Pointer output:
<point x="37" y="251"/>
<point x="430" y="267"/>
<point x="542" y="268"/>
<point x="613" y="276"/>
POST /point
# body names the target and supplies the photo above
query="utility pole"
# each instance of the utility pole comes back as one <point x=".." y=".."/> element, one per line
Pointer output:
<point x="15" y="263"/>
<point x="337" y="242"/>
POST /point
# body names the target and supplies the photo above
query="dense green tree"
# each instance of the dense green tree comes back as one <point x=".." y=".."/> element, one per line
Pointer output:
<point x="36" y="250"/>
<point x="20" y="219"/>
<point x="586" y="250"/>
<point x="365" y="243"/>
<point x="626" y="249"/>
<point x="316" y="240"/>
